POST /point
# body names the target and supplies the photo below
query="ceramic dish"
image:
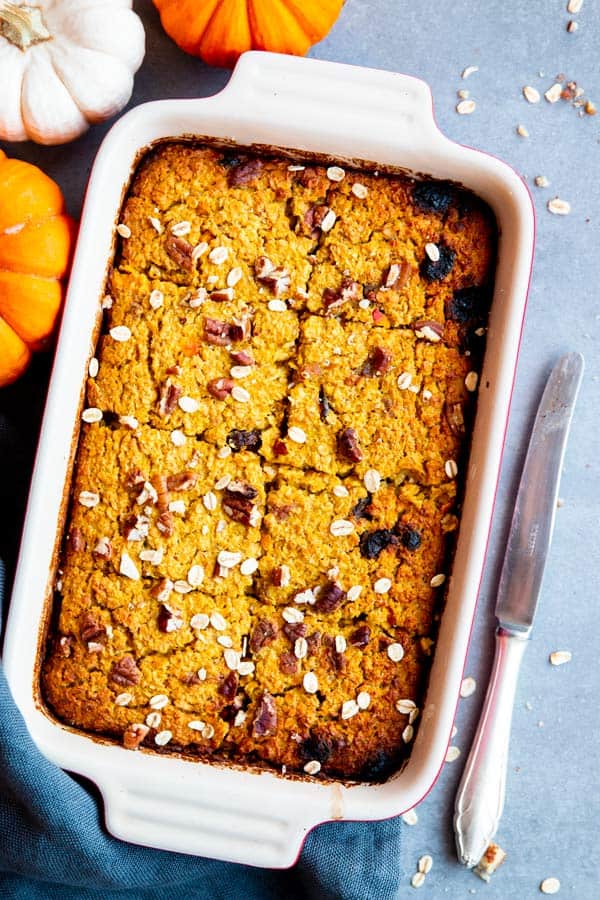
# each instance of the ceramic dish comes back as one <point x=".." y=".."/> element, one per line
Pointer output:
<point x="345" y="113"/>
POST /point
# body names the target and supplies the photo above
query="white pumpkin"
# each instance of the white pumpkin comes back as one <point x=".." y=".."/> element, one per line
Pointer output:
<point x="65" y="64"/>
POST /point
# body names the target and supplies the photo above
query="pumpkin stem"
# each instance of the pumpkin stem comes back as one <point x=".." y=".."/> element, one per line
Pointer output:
<point x="22" y="25"/>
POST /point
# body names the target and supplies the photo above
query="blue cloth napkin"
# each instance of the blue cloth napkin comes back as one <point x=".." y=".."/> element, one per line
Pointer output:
<point x="53" y="843"/>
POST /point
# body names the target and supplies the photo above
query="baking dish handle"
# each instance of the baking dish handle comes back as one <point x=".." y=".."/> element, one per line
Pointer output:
<point x="282" y="87"/>
<point x="164" y="813"/>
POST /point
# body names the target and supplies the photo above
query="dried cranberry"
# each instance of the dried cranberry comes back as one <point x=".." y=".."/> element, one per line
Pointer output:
<point x="433" y="196"/>
<point x="409" y="537"/>
<point x="238" y="440"/>
<point x="373" y="542"/>
<point x="360" y="637"/>
<point x="360" y="509"/>
<point x="229" y="686"/>
<point x="330" y="597"/>
<point x="377" y="362"/>
<point x="263" y="633"/>
<point x="316" y="747"/>
<point x="468" y="304"/>
<point x="280" y="447"/>
<point x="347" y="445"/>
<point x="265" y="722"/>
<point x="436" y="271"/>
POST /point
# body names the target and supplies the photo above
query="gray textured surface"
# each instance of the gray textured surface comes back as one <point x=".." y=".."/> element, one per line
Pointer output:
<point x="550" y="824"/>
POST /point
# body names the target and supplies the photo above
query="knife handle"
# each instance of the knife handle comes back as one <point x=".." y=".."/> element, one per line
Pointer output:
<point x="480" y="797"/>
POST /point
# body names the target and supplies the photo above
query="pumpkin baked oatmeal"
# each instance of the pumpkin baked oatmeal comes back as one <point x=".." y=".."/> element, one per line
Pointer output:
<point x="268" y="479"/>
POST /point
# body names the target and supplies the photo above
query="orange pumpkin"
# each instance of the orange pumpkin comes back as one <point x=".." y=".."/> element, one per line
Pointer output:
<point x="35" y="248"/>
<point x="220" y="30"/>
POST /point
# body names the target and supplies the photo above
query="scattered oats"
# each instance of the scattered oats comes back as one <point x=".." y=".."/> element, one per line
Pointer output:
<point x="93" y="367"/>
<point x="560" y="657"/>
<point x="196" y="725"/>
<point x="405" y="706"/>
<point x="153" y="719"/>
<point x="163" y="737"/>
<point x="124" y="230"/>
<point x="232" y="659"/>
<point x="92" y="414"/>
<point x="404" y="381"/>
<point x="246" y="667"/>
<point x="120" y="333"/>
<point x="425" y="863"/>
<point x="364" y="303"/>
<point x="408" y="734"/>
<point x="159" y="701"/>
<point x="363" y="700"/>
<point x="354" y="593"/>
<point x="470" y="70"/>
<point x="292" y="615"/>
<point x="249" y="566"/>
<point x="335" y="173"/>
<point x="284" y="575"/>
<point x="310" y="683"/>
<point x="180" y="229"/>
<point x="218" y="255"/>
<point x="559" y="207"/>
<point x="156" y="299"/>
<point x="178" y="438"/>
<point x="208" y="732"/>
<point x="465" y="107"/>
<point x="552" y="95"/>
<point x="198" y="298"/>
<point x="107" y="302"/>
<point x="218" y="622"/>
<point x="199" y="622"/>
<point x="127" y="567"/>
<point x="329" y="220"/>
<point x="297" y="435"/>
<point x="177" y="506"/>
<point x="372" y="480"/>
<point x="574" y="6"/>
<point x="155" y="224"/>
<point x="277" y="305"/>
<point x="450" y="468"/>
<point x="468" y="686"/>
<point x="432" y="251"/>
<point x="210" y="501"/>
<point x="550" y="886"/>
<point x="182" y="587"/>
<point x="453" y="732"/>
<point x="395" y="652"/>
<point x="240" y="394"/>
<point x="341" y="528"/>
<point x="427" y="395"/>
<point x="471" y="381"/>
<point x="195" y="576"/>
<point x="295" y="168"/>
<point x="413" y="716"/>
<point x="199" y="250"/>
<point x="123" y="699"/>
<point x="129" y="422"/>
<point x="340" y="491"/>
<point x="359" y="190"/>
<point x="382" y="586"/>
<point x="340" y="643"/>
<point x="201" y="673"/>
<point x="240" y="718"/>
<point x="349" y="709"/>
<point x="572" y="26"/>
<point x="531" y="94"/>
<point x="452" y="754"/>
<point x="240" y="371"/>
<point x="300" y="648"/>
<point x="224" y="452"/>
<point x="463" y="95"/>
<point x="410" y="817"/>
<point x="306" y="596"/>
<point x="437" y="580"/>
<point x="221" y="526"/>
<point x="222" y="482"/>
<point x="225" y="641"/>
<point x="188" y="404"/>
<point x="522" y="131"/>
<point x="229" y="558"/>
<point x="313" y="767"/>
<point x="418" y="880"/>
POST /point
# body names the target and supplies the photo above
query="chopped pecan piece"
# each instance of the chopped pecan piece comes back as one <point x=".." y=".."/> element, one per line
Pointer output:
<point x="135" y="528"/>
<point x="169" y="395"/>
<point x="134" y="479"/>
<point x="347" y="445"/>
<point x="220" y="388"/>
<point x="280" y="576"/>
<point x="242" y="358"/>
<point x="330" y="597"/>
<point x="229" y="686"/>
<point x="125" y="672"/>
<point x="455" y="417"/>
<point x="242" y="174"/>
<point x="429" y="329"/>
<point x="397" y="276"/>
<point x="217" y="332"/>
<point x="274" y="277"/>
<point x="76" y="541"/>
<point x="265" y="722"/>
<point x="161" y="589"/>
<point x="182" y="481"/>
<point x="262" y="634"/>
<point x="91" y="630"/>
<point x="169" y="619"/>
<point x="348" y="290"/>
<point x="282" y="513"/>
<point x="360" y="637"/>
<point x="313" y="217"/>
<point x="64" y="646"/>
<point x="222" y="296"/>
<point x="308" y="177"/>
<point x="237" y="502"/>
<point x="165" y="519"/>
<point x="377" y="362"/>
<point x="313" y="641"/>
<point x="134" y="735"/>
<point x="180" y="251"/>
<point x="288" y="663"/>
<point x="294" y="630"/>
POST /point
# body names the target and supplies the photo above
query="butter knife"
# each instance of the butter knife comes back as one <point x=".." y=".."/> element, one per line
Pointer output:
<point x="480" y="797"/>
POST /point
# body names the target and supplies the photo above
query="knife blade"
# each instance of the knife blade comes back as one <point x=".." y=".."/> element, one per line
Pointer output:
<point x="480" y="796"/>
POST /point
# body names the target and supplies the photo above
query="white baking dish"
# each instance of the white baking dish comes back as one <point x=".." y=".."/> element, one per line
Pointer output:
<point x="344" y="112"/>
